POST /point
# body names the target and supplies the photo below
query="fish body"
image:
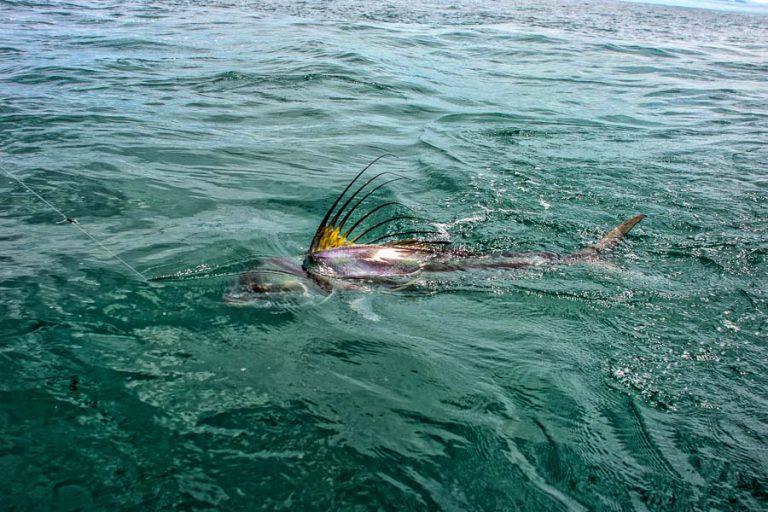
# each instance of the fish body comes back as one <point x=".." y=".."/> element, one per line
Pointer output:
<point x="410" y="257"/>
<point x="369" y="261"/>
<point x="393" y="260"/>
<point x="335" y="259"/>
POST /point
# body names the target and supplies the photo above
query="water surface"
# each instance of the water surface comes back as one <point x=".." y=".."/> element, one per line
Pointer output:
<point x="188" y="137"/>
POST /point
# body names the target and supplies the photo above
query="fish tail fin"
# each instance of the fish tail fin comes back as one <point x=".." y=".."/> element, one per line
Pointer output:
<point x="607" y="242"/>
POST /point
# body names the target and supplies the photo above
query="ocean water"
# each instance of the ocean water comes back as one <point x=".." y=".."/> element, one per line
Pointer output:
<point x="188" y="138"/>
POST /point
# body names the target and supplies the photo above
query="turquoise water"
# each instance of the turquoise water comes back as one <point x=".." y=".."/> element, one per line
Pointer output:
<point x="188" y="137"/>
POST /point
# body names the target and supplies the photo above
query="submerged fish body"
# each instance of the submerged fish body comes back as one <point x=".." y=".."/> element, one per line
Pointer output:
<point x="336" y="260"/>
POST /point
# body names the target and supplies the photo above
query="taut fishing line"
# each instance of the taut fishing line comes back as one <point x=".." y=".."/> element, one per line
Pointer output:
<point x="74" y="222"/>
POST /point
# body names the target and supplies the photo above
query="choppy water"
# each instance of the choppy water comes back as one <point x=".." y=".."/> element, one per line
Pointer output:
<point x="183" y="135"/>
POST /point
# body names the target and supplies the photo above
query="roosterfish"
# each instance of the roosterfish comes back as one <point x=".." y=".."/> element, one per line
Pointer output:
<point x="339" y="259"/>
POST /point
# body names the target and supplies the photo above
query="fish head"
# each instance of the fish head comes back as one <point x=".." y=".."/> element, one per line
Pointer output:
<point x="273" y="282"/>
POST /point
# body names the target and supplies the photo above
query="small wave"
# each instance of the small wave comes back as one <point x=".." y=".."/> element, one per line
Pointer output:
<point x="128" y="43"/>
<point x="648" y="51"/>
<point x="56" y="74"/>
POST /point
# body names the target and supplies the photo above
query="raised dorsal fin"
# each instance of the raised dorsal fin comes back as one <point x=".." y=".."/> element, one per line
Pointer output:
<point x="331" y="234"/>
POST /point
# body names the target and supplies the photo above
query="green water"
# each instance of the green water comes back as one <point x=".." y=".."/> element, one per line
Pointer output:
<point x="188" y="137"/>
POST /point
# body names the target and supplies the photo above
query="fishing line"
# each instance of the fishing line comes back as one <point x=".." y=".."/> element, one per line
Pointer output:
<point x="74" y="222"/>
<point x="188" y="277"/>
